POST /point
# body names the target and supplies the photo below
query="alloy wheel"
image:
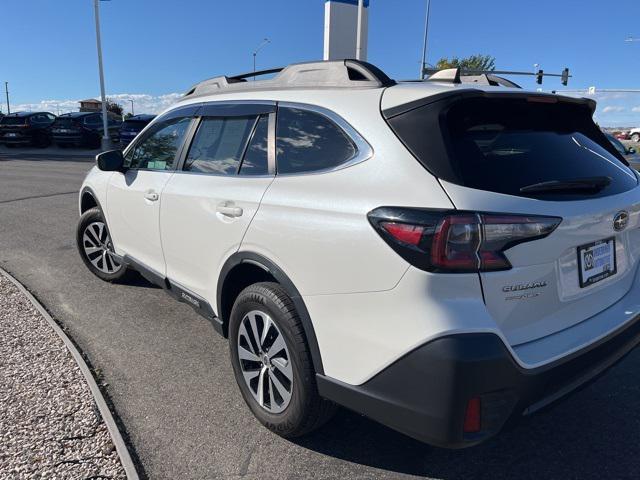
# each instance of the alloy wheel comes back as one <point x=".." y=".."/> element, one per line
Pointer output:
<point x="265" y="361"/>
<point x="99" y="249"/>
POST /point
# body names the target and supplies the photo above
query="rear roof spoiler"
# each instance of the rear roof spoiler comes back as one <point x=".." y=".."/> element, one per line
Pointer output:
<point x="476" y="93"/>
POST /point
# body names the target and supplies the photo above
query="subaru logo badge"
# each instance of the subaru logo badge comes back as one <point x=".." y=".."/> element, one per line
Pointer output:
<point x="620" y="221"/>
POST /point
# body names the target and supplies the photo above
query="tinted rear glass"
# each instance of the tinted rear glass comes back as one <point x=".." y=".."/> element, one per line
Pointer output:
<point x="503" y="145"/>
<point x="13" y="121"/>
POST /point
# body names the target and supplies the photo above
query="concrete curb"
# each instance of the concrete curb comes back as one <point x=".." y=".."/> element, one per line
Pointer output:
<point x="116" y="437"/>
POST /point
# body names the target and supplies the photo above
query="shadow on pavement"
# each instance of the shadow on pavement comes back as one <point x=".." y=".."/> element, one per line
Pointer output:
<point x="592" y="434"/>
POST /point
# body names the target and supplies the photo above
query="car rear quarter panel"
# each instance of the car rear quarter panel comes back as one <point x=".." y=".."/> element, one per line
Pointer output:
<point x="315" y="226"/>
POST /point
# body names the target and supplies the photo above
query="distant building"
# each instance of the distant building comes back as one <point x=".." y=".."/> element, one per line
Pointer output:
<point x="90" y="105"/>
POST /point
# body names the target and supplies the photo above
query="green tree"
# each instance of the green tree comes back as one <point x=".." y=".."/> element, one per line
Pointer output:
<point x="114" y="107"/>
<point x="473" y="62"/>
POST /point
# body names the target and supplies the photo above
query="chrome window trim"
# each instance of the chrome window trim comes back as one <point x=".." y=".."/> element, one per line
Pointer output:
<point x="364" y="151"/>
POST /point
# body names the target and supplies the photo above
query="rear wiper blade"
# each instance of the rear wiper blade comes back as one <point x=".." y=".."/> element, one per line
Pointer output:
<point x="584" y="185"/>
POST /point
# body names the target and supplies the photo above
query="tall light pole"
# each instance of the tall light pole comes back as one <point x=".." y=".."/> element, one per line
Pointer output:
<point x="423" y="63"/>
<point x="105" y="130"/>
<point x="6" y="90"/>
<point x="255" y="52"/>
<point x="359" y="31"/>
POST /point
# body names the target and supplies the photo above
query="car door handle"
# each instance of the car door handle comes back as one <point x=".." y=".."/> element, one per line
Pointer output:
<point x="151" y="195"/>
<point x="227" y="209"/>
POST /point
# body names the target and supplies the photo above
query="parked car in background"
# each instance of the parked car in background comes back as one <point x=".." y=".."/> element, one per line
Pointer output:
<point x="621" y="135"/>
<point x="634" y="134"/>
<point x="629" y="153"/>
<point x="83" y="129"/>
<point x="132" y="126"/>
<point x="26" y="128"/>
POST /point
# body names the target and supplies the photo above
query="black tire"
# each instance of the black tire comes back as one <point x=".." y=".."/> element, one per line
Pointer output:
<point x="635" y="137"/>
<point x="91" y="218"/>
<point x="306" y="410"/>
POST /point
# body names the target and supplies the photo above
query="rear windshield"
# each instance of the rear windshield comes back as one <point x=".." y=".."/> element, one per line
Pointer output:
<point x="503" y="145"/>
<point x="13" y="121"/>
<point x="65" y="122"/>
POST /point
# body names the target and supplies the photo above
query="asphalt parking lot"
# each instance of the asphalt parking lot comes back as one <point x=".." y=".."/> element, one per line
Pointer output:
<point x="168" y="376"/>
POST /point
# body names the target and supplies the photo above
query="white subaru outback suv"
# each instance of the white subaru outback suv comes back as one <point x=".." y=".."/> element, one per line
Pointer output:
<point x="443" y="257"/>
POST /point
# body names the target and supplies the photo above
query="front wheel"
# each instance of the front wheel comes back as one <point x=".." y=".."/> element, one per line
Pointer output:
<point x="96" y="248"/>
<point x="272" y="363"/>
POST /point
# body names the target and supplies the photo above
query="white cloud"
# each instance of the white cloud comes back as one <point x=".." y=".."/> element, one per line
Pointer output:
<point x="612" y="108"/>
<point x="143" y="103"/>
<point x="636" y="109"/>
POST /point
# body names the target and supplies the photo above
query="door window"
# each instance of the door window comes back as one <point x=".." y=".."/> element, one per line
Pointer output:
<point x="158" y="149"/>
<point x="255" y="160"/>
<point x="219" y="145"/>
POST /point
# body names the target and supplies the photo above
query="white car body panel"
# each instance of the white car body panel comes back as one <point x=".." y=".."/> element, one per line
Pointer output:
<point x="134" y="221"/>
<point x="561" y="303"/>
<point x="196" y="237"/>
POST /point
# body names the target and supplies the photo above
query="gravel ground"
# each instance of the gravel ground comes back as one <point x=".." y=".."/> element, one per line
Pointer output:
<point x="49" y="424"/>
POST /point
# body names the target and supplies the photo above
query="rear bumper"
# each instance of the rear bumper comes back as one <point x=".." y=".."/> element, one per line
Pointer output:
<point x="16" y="140"/>
<point x="68" y="138"/>
<point x="425" y="393"/>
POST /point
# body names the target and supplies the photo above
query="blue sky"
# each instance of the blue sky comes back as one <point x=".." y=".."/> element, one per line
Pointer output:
<point x="155" y="48"/>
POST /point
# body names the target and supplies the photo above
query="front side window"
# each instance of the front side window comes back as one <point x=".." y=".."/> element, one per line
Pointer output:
<point x="157" y="150"/>
<point x="308" y="142"/>
<point x="219" y="145"/>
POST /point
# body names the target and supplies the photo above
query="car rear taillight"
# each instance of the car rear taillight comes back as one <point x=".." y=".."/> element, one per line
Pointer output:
<point x="457" y="241"/>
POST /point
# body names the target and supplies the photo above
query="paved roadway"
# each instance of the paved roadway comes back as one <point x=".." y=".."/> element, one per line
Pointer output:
<point x="168" y="376"/>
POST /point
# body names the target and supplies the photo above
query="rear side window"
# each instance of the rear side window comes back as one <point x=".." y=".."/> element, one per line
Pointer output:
<point x="307" y="141"/>
<point x="504" y="145"/>
<point x="219" y="145"/>
<point x="13" y="120"/>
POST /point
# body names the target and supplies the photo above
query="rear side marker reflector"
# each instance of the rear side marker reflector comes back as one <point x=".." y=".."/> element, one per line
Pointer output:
<point x="472" y="416"/>
<point x="457" y="241"/>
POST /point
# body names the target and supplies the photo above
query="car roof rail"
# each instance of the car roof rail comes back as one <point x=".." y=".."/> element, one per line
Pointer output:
<point x="489" y="79"/>
<point x="322" y="74"/>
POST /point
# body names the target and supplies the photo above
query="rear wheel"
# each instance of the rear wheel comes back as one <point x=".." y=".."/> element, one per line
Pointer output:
<point x="96" y="248"/>
<point x="272" y="363"/>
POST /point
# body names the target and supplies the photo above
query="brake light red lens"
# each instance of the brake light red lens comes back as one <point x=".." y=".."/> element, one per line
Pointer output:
<point x="472" y="416"/>
<point x="411" y="234"/>
<point x="456" y="242"/>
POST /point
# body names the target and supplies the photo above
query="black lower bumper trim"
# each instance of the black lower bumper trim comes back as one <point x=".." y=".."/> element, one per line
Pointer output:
<point x="425" y="393"/>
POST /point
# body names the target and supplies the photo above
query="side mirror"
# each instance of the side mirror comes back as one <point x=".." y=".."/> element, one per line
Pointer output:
<point x="110" y="161"/>
<point x="631" y="150"/>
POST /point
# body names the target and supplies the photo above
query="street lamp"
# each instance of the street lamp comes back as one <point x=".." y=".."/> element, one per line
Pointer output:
<point x="255" y="52"/>
<point x="423" y="63"/>
<point x="105" y="130"/>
